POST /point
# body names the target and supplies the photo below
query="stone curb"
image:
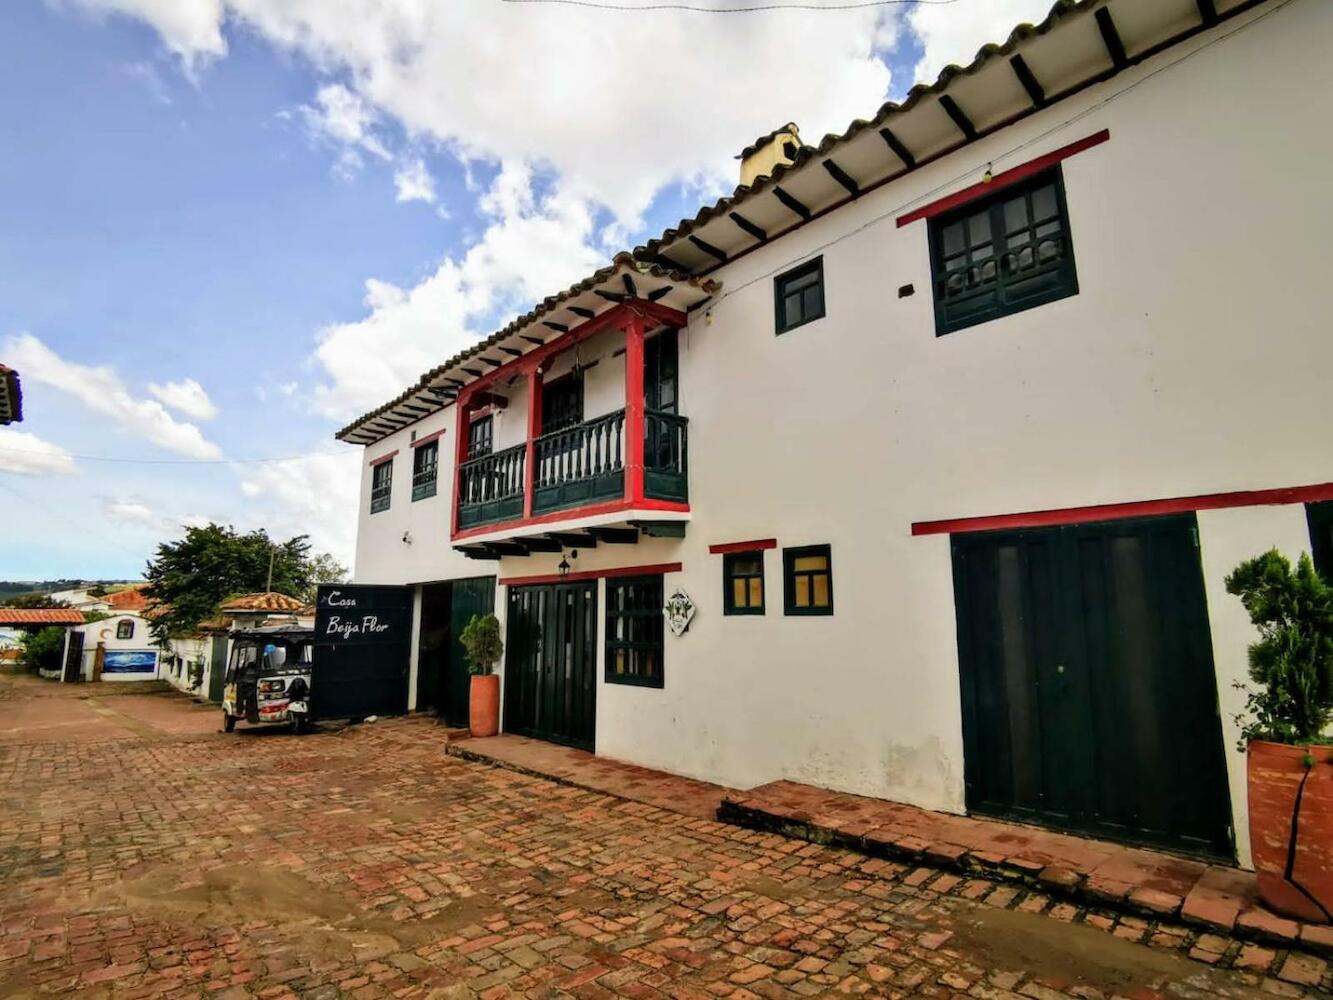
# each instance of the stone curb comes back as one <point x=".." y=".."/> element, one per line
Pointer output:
<point x="1054" y="881"/>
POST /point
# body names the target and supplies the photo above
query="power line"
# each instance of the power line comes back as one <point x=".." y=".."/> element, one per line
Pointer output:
<point x="757" y="8"/>
<point x="164" y="461"/>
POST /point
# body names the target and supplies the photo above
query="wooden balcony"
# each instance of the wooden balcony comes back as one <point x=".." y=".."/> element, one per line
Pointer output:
<point x="575" y="467"/>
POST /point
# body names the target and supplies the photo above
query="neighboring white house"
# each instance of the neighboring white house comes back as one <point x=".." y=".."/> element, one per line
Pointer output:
<point x="129" y="652"/>
<point x="946" y="432"/>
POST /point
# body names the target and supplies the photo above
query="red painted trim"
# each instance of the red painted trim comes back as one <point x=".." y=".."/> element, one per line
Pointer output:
<point x="755" y="546"/>
<point x="609" y="507"/>
<point x="1003" y="179"/>
<point x="634" y="429"/>
<point x="1136" y="508"/>
<point x="383" y="458"/>
<point x="592" y="574"/>
<point x="480" y="412"/>
<point x="460" y="454"/>
<point x="428" y="438"/>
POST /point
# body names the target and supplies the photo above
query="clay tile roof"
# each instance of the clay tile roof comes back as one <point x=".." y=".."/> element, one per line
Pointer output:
<point x="40" y="616"/>
<point x="263" y="602"/>
<point x="764" y="140"/>
<point x="129" y="599"/>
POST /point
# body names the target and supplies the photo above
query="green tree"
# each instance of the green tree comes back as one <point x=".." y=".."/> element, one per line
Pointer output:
<point x="43" y="647"/>
<point x="482" y="644"/>
<point x="35" y="601"/>
<point x="190" y="577"/>
<point x="1293" y="660"/>
<point x="324" y="569"/>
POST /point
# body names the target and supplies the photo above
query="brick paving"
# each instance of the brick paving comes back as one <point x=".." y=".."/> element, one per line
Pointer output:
<point x="167" y="861"/>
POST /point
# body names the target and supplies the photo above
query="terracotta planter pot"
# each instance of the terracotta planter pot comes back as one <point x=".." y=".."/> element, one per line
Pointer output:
<point x="483" y="715"/>
<point x="1291" y="828"/>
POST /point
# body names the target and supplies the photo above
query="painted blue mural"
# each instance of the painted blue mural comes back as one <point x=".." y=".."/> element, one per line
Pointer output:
<point x="130" y="661"/>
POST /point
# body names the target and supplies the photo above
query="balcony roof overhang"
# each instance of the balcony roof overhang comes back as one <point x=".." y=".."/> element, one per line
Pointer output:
<point x="559" y="321"/>
<point x="617" y="523"/>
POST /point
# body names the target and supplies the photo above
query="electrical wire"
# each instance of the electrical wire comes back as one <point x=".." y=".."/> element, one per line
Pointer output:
<point x="971" y="172"/>
<point x="164" y="461"/>
<point x="757" y="8"/>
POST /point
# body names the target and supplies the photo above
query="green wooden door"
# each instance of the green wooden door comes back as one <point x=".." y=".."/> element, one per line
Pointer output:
<point x="551" y="662"/>
<point x="1089" y="696"/>
<point x="475" y="596"/>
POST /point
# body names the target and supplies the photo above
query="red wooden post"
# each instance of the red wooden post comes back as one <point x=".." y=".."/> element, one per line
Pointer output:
<point x="634" y="431"/>
<point x="534" y="431"/>
<point x="460" y="456"/>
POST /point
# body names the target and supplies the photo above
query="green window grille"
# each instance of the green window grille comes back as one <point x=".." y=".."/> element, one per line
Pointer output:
<point x="634" y="631"/>
<point x="381" y="486"/>
<point x="425" y="468"/>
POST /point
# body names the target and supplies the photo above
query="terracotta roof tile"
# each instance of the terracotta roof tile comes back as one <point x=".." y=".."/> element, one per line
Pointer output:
<point x="40" y="616"/>
<point x="129" y="599"/>
<point x="263" y="602"/>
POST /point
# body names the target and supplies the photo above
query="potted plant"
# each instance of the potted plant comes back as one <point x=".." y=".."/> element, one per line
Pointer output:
<point x="1285" y="733"/>
<point x="484" y="647"/>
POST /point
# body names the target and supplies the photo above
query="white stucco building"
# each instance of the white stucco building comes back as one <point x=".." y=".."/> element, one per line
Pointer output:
<point x="128" y="650"/>
<point x="949" y="428"/>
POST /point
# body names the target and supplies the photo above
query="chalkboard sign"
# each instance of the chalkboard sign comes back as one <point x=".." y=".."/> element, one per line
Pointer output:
<point x="363" y="640"/>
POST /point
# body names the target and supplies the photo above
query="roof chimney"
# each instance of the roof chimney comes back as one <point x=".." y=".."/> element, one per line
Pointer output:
<point x="760" y="158"/>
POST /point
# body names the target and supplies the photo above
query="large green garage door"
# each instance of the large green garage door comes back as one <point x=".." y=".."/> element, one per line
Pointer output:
<point x="1089" y="697"/>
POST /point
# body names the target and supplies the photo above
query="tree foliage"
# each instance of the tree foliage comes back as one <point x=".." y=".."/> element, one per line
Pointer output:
<point x="482" y="644"/>
<point x="35" y="601"/>
<point x="324" y="569"/>
<point x="190" y="577"/>
<point x="1293" y="660"/>
<point x="44" y="647"/>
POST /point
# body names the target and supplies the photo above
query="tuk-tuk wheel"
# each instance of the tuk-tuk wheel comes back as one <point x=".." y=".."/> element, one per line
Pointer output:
<point x="228" y="722"/>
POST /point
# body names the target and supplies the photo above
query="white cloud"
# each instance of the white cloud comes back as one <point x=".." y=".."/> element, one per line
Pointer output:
<point x="414" y="182"/>
<point x="101" y="389"/>
<point x="27" y="454"/>
<point x="534" y="246"/>
<point x="617" y="105"/>
<point x="136" y="513"/>
<point x="341" y="115"/>
<point x="186" y="396"/>
<point x="947" y="36"/>
<point x="316" y="496"/>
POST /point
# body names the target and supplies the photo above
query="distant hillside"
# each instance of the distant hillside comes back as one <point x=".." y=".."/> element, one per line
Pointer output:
<point x="12" y="588"/>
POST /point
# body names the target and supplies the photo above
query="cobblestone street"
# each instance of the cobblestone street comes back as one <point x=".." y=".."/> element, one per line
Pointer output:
<point x="144" y="853"/>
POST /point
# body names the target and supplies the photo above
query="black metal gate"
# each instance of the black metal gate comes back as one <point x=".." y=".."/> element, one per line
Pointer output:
<point x="551" y="663"/>
<point x="1089" y="696"/>
<point x="362" y="644"/>
<point x="74" y="658"/>
<point x="217" y="668"/>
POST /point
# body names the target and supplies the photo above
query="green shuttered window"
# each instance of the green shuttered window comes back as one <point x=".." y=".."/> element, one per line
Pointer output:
<point x="799" y="295"/>
<point x="381" y="486"/>
<point x="1002" y="254"/>
<point x="425" y="468"/>
<point x="634" y="630"/>
<point x="808" y="580"/>
<point x="743" y="583"/>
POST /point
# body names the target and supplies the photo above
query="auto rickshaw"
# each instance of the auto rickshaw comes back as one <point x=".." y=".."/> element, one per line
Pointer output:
<point x="268" y="677"/>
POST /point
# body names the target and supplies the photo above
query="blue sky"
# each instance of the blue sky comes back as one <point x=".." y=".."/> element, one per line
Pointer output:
<point x="194" y="195"/>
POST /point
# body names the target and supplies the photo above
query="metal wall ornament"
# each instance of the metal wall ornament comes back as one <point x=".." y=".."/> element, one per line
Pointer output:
<point x="679" y="611"/>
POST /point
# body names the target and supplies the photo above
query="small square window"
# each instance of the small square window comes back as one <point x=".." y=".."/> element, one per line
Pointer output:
<point x="808" y="580"/>
<point x="743" y="583"/>
<point x="124" y="629"/>
<point x="799" y="295"/>
<point x="381" y="486"/>
<point x="425" y="466"/>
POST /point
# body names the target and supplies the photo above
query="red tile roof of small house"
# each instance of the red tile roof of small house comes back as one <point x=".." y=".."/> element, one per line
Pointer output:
<point x="263" y="602"/>
<point x="40" y="616"/>
<point x="129" y="599"/>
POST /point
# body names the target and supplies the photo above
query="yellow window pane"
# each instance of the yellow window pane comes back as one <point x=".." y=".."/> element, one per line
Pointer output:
<point x="756" y="592"/>
<point x="620" y="661"/>
<point x="738" y="593"/>
<point x="811" y="564"/>
<point x="821" y="592"/>
<point x="803" y="592"/>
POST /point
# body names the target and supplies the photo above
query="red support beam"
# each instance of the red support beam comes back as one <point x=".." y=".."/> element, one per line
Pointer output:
<point x="1132" y="508"/>
<point x="460" y="456"/>
<point x="534" y="432"/>
<point x="634" y="429"/>
<point x="1003" y="179"/>
<point x="759" y="545"/>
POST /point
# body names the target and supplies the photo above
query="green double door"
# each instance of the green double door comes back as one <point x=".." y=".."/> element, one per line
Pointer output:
<point x="1088" y="691"/>
<point x="551" y="663"/>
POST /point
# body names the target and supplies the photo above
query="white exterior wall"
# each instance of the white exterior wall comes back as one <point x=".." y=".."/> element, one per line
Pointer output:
<point x="188" y="652"/>
<point x="104" y="633"/>
<point x="1194" y="360"/>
